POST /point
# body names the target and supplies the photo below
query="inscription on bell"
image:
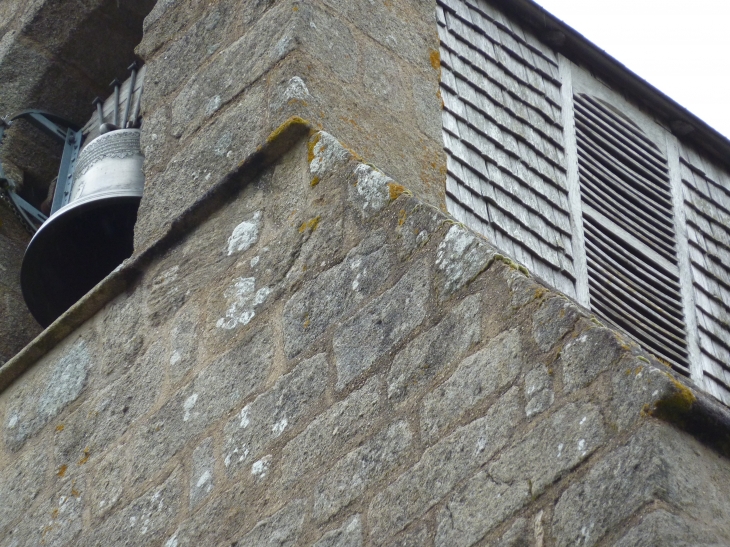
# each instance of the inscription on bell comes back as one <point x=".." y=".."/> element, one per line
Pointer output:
<point x="117" y="144"/>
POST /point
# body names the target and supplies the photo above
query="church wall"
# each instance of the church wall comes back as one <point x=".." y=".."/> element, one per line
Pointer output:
<point x="342" y="364"/>
<point x="317" y="354"/>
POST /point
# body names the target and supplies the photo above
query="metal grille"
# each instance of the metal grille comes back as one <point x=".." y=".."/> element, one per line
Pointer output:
<point x="633" y="276"/>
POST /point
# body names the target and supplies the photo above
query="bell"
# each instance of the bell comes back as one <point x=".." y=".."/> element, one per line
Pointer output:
<point x="86" y="239"/>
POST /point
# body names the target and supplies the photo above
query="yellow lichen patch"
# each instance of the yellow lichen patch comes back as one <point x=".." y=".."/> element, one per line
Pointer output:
<point x="310" y="147"/>
<point x="85" y="457"/>
<point x="295" y="8"/>
<point x="60" y="427"/>
<point x="75" y="493"/>
<point x="676" y="406"/>
<point x="54" y="516"/>
<point x="310" y="225"/>
<point x="540" y="292"/>
<point x="663" y="361"/>
<point x="402" y="217"/>
<point x="435" y="57"/>
<point x="276" y="133"/>
<point x="314" y="182"/>
<point x="307" y="322"/>
<point x="62" y="470"/>
<point x="395" y="190"/>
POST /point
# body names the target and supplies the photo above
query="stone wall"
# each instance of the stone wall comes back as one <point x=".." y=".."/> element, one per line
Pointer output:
<point x="328" y="360"/>
<point x="223" y="75"/>
<point x="17" y="326"/>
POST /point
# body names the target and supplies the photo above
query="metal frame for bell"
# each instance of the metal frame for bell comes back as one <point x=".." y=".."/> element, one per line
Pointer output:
<point x="86" y="239"/>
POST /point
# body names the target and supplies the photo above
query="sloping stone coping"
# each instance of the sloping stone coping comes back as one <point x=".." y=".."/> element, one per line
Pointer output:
<point x="677" y="401"/>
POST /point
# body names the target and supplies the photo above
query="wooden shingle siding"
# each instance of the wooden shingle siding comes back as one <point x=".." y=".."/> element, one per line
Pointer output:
<point x="503" y="135"/>
<point x="706" y="193"/>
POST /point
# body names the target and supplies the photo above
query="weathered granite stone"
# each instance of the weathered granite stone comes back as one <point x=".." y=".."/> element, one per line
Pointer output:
<point x="613" y="490"/>
<point x="202" y="479"/>
<point x="637" y="386"/>
<point x="424" y="358"/>
<point x="246" y="234"/>
<point x="417" y="222"/>
<point x="417" y="535"/>
<point x="213" y="152"/>
<point x="349" y="535"/>
<point x="370" y="194"/>
<point x="108" y="478"/>
<point x="100" y="421"/>
<point x="56" y="520"/>
<point x="538" y="390"/>
<point x="351" y="476"/>
<point x="335" y="428"/>
<point x="216" y="389"/>
<point x="242" y="299"/>
<point x="477" y="508"/>
<point x="523" y="289"/>
<point x="326" y="38"/>
<point x="236" y="68"/>
<point x="516" y="536"/>
<point x="382" y="324"/>
<point x="187" y="53"/>
<point x="477" y="377"/>
<point x="34" y="405"/>
<point x="121" y="336"/>
<point x="553" y="320"/>
<point x="168" y="292"/>
<point x="281" y="529"/>
<point x="595" y="351"/>
<point x="328" y="154"/>
<point x="662" y="528"/>
<point x="461" y="256"/>
<point x="324" y="300"/>
<point x="383" y="77"/>
<point x="184" y="345"/>
<point x="270" y="415"/>
<point x="552" y="448"/>
<point x="443" y="466"/>
<point x="219" y="518"/>
<point x="143" y="521"/>
<point x="403" y="28"/>
<point x="20" y="485"/>
<point x="427" y="99"/>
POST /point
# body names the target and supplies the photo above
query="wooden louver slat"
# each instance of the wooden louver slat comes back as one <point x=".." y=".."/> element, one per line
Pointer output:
<point x="634" y="282"/>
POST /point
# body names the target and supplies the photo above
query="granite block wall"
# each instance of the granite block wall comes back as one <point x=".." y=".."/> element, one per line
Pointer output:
<point x="329" y="360"/>
<point x="222" y="76"/>
<point x="17" y="326"/>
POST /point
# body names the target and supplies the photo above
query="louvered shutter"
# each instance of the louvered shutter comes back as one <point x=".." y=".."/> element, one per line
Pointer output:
<point x="633" y="273"/>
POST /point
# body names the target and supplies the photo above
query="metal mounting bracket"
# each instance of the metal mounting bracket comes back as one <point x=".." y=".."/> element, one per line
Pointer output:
<point x="67" y="133"/>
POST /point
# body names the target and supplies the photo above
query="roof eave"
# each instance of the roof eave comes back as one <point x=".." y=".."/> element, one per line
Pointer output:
<point x="573" y="45"/>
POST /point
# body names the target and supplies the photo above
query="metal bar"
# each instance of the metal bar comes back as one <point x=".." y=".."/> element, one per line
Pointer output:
<point x="27" y="210"/>
<point x="115" y="85"/>
<point x="130" y="93"/>
<point x="71" y="150"/>
<point x="99" y="110"/>
<point x="45" y="122"/>
<point x="135" y="112"/>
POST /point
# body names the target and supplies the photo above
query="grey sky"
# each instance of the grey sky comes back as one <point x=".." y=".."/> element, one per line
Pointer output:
<point x="682" y="48"/>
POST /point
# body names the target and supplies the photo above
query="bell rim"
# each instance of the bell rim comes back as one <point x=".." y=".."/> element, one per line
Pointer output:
<point x="34" y="257"/>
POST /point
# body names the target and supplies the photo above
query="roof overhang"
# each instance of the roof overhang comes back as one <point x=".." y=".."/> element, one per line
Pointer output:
<point x="574" y="46"/>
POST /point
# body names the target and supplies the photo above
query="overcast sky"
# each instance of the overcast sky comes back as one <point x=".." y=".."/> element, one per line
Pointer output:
<point x="681" y="48"/>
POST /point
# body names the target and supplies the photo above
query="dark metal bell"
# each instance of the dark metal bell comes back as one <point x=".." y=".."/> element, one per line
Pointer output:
<point x="86" y="239"/>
